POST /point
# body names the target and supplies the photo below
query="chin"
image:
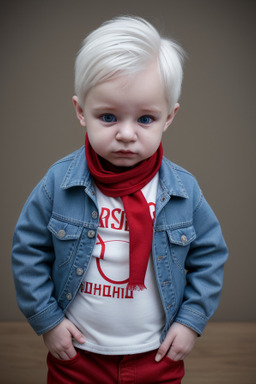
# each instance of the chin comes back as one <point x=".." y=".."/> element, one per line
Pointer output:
<point x="125" y="164"/>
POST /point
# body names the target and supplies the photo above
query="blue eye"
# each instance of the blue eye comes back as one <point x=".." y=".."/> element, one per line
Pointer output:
<point x="108" y="118"/>
<point x="145" y="119"/>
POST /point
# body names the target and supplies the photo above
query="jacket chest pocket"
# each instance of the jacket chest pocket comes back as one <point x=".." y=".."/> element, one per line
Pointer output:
<point x="180" y="240"/>
<point x="65" y="236"/>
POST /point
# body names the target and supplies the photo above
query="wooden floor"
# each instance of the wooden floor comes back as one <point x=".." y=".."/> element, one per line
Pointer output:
<point x="225" y="354"/>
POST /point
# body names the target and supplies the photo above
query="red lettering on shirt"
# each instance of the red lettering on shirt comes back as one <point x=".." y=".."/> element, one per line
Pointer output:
<point x="88" y="288"/>
<point x="106" y="291"/>
<point x="104" y="217"/>
<point x="97" y="288"/>
<point x="118" y="219"/>
<point x="110" y="291"/>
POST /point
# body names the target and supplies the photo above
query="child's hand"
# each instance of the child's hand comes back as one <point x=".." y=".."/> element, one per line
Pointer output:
<point x="59" y="340"/>
<point x="178" y="343"/>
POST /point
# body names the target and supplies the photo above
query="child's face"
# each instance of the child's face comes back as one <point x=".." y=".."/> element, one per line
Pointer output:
<point x="125" y="117"/>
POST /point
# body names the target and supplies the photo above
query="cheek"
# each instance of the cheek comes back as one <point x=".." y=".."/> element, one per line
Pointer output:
<point x="99" y="142"/>
<point x="152" y="139"/>
<point x="151" y="145"/>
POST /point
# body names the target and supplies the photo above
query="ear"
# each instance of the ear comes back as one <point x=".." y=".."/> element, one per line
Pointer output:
<point x="79" y="111"/>
<point x="171" y="116"/>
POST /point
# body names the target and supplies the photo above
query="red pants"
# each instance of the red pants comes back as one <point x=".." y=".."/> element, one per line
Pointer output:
<point x="92" y="368"/>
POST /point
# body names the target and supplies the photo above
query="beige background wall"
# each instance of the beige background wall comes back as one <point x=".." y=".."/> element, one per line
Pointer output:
<point x="213" y="135"/>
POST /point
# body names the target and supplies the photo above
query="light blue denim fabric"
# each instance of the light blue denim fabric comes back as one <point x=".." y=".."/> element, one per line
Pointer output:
<point x="57" y="231"/>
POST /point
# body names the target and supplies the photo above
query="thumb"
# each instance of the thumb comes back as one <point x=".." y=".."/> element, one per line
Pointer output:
<point x="76" y="334"/>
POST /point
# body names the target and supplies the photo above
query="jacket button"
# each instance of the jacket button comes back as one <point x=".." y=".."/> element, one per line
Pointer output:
<point x="184" y="239"/>
<point x="79" y="271"/>
<point x="91" y="234"/>
<point x="69" y="296"/>
<point x="94" y="214"/>
<point x="62" y="233"/>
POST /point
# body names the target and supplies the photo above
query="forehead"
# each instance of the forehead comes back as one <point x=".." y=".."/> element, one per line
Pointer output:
<point x="143" y="88"/>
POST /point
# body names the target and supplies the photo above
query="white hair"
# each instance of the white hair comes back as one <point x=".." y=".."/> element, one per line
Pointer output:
<point x="125" y="46"/>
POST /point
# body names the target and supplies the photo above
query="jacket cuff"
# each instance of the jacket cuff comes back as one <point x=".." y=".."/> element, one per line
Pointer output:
<point x="192" y="318"/>
<point x="47" y="319"/>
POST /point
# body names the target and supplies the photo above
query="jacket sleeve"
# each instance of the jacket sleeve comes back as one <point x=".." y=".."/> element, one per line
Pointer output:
<point x="32" y="258"/>
<point x="204" y="264"/>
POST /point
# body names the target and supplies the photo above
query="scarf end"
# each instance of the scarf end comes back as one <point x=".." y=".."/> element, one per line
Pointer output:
<point x="136" y="287"/>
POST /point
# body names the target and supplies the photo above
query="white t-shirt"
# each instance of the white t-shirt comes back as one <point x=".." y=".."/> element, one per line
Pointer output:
<point x="112" y="319"/>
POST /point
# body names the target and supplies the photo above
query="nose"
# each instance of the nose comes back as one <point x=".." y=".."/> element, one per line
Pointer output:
<point x="126" y="132"/>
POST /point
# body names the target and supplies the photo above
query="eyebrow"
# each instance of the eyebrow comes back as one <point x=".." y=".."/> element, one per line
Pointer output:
<point x="143" y="110"/>
<point x="102" y="107"/>
<point x="152" y="109"/>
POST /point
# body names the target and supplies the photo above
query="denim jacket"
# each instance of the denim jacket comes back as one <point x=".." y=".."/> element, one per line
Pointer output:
<point x="57" y="231"/>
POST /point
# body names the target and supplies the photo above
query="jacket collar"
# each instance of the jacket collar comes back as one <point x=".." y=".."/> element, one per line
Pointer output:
<point x="78" y="175"/>
<point x="170" y="180"/>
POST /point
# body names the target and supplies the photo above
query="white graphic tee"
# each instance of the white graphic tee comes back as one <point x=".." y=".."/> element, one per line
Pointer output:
<point x="115" y="320"/>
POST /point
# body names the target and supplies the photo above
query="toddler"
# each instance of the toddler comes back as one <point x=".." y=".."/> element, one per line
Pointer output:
<point x="117" y="257"/>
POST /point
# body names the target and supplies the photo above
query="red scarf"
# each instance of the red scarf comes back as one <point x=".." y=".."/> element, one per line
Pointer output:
<point x="128" y="185"/>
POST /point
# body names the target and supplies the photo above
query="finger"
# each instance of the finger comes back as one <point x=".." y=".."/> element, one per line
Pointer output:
<point x="162" y="351"/>
<point x="56" y="355"/>
<point x="173" y="356"/>
<point x="165" y="346"/>
<point x="76" y="334"/>
<point x="63" y="356"/>
<point x="71" y="352"/>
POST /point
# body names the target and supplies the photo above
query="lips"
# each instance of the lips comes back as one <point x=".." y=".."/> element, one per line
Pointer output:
<point x="125" y="153"/>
